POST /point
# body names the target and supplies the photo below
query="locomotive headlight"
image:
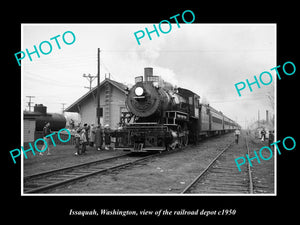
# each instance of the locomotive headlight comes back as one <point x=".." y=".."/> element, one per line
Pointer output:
<point x="139" y="91"/>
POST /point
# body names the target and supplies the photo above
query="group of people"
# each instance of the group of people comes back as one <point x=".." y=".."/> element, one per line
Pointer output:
<point x="90" y="135"/>
<point x="262" y="133"/>
<point x="86" y="135"/>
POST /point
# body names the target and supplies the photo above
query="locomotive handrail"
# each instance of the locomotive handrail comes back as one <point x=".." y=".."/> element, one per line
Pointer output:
<point x="145" y="123"/>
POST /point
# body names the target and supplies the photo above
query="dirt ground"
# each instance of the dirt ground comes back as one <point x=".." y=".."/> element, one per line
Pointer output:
<point x="62" y="156"/>
<point x="263" y="172"/>
<point x="165" y="174"/>
<point x="160" y="175"/>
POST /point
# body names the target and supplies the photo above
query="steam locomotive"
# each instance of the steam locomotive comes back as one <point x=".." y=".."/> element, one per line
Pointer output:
<point x="161" y="117"/>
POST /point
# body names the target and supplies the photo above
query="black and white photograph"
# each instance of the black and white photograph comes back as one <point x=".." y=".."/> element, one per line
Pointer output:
<point x="132" y="112"/>
<point x="108" y="112"/>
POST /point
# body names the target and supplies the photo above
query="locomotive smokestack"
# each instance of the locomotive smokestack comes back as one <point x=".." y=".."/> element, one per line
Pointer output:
<point x="148" y="72"/>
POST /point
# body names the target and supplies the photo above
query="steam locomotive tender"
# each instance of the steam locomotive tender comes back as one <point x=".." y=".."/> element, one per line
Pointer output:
<point x="161" y="117"/>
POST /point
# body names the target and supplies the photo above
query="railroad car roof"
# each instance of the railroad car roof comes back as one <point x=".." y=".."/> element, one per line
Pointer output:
<point x="186" y="92"/>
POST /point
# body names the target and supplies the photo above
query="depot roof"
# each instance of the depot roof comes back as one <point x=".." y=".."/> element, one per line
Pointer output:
<point x="74" y="107"/>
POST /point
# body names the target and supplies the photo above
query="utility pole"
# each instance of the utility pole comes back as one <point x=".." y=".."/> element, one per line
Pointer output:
<point x="90" y="79"/>
<point x="63" y="107"/>
<point x="98" y="89"/>
<point x="29" y="103"/>
<point x="258" y="119"/>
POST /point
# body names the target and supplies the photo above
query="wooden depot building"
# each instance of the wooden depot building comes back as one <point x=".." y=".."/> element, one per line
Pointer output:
<point x="112" y="104"/>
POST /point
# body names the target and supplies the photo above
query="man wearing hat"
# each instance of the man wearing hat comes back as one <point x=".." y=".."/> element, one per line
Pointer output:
<point x="107" y="137"/>
<point x="46" y="131"/>
<point x="98" y="138"/>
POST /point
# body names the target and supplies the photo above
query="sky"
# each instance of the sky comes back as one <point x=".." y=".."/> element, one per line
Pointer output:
<point x="205" y="58"/>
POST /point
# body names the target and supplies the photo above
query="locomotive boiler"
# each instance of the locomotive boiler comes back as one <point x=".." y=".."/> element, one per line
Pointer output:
<point x="161" y="117"/>
<point x="149" y="101"/>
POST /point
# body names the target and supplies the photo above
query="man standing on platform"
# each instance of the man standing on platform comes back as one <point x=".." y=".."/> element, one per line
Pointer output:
<point x="46" y="131"/>
<point x="237" y="134"/>
<point x="107" y="135"/>
<point x="98" y="138"/>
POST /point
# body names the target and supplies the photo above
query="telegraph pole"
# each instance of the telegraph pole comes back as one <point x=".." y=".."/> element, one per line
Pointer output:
<point x="63" y="107"/>
<point x="90" y="78"/>
<point x="98" y="89"/>
<point x="29" y="103"/>
<point x="258" y="124"/>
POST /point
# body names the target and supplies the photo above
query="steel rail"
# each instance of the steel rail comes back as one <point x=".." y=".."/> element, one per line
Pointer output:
<point x="71" y="167"/>
<point x="203" y="172"/>
<point x="56" y="184"/>
<point x="249" y="169"/>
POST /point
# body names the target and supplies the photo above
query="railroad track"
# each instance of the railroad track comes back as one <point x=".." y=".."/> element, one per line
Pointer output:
<point x="262" y="174"/>
<point x="47" y="180"/>
<point x="221" y="176"/>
